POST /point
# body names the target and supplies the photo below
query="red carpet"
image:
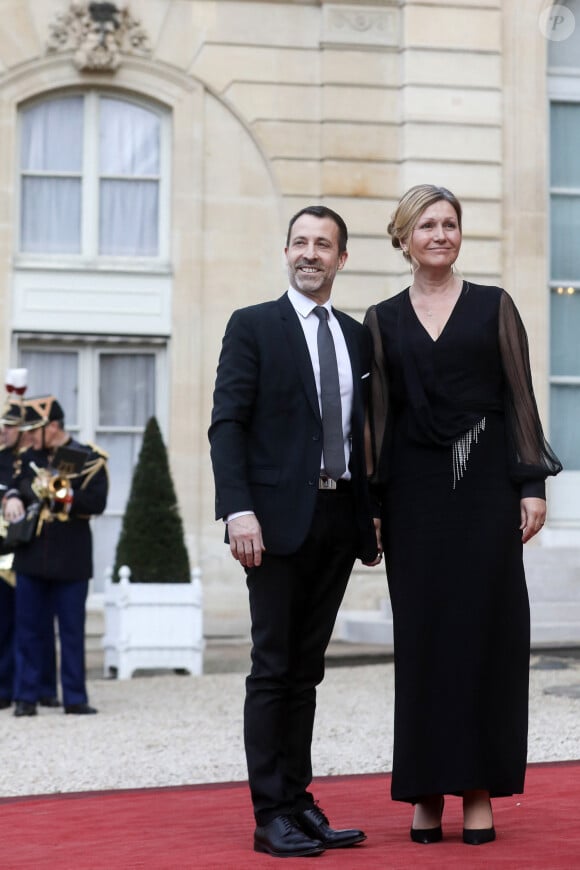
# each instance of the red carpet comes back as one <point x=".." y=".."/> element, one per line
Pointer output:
<point x="211" y="827"/>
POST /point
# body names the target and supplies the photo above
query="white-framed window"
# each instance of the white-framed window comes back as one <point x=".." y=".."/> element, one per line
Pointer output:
<point x="565" y="281"/>
<point x="108" y="390"/>
<point x="94" y="183"/>
<point x="564" y="269"/>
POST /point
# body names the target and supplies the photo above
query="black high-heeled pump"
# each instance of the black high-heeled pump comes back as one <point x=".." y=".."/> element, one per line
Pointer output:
<point x="478" y="836"/>
<point x="426" y="836"/>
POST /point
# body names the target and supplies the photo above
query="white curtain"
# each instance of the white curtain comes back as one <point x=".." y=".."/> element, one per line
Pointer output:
<point x="54" y="373"/>
<point x="53" y="210"/>
<point x="52" y="136"/>
<point x="51" y="142"/>
<point x="129" y="183"/>
<point x="126" y="401"/>
<point x="51" y="216"/>
<point x="128" y="218"/>
<point x="126" y="389"/>
<point x="129" y="138"/>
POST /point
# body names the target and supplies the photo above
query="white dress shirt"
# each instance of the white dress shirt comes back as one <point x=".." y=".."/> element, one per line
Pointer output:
<point x="304" y="307"/>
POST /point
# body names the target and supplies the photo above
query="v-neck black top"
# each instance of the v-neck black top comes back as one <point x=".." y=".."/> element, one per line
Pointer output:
<point x="478" y="365"/>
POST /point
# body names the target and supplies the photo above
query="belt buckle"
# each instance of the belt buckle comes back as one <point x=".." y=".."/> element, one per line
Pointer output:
<point x="326" y="483"/>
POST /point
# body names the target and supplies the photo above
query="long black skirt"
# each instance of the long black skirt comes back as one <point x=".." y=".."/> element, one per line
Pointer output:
<point x="461" y="620"/>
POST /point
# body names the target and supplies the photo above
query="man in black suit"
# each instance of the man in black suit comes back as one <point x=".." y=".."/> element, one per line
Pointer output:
<point x="295" y="529"/>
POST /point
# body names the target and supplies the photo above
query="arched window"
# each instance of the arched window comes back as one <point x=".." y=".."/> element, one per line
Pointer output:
<point x="91" y="284"/>
<point x="91" y="178"/>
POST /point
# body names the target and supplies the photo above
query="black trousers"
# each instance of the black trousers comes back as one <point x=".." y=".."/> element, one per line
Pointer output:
<point x="293" y="604"/>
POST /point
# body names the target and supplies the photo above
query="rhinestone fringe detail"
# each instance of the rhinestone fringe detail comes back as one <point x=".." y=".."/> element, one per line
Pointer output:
<point x="462" y="448"/>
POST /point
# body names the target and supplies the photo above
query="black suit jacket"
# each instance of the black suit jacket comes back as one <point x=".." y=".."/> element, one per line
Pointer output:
<point x="266" y="429"/>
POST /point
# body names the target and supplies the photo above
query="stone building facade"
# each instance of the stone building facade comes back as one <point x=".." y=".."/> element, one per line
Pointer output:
<point x="152" y="152"/>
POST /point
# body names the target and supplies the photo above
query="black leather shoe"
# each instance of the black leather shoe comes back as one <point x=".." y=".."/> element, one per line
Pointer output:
<point x="49" y="702"/>
<point x="314" y="823"/>
<point x="5" y="703"/>
<point x="478" y="836"/>
<point x="79" y="709"/>
<point x="24" y="708"/>
<point x="283" y="838"/>
<point x="427" y="835"/>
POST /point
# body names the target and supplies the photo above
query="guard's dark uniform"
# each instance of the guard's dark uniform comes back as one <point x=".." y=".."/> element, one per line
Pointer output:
<point x="53" y="570"/>
<point x="9" y="467"/>
<point x="6" y="597"/>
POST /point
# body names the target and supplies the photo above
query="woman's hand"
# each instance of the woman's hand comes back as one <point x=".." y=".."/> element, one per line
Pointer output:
<point x="533" y="516"/>
<point x="377" y="561"/>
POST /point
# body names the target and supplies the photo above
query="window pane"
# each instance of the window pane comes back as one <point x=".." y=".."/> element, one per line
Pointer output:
<point x="126" y="389"/>
<point x="565" y="331"/>
<point x="54" y="373"/>
<point x="129" y="139"/>
<point x="123" y="450"/>
<point x="128" y="219"/>
<point x="106" y="530"/>
<point x="50" y="215"/>
<point x="565" y="232"/>
<point x="565" y="52"/>
<point x="52" y="136"/>
<point x="564" y="137"/>
<point x="565" y="425"/>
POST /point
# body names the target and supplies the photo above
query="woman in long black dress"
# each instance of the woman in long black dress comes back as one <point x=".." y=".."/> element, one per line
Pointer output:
<point x="460" y="461"/>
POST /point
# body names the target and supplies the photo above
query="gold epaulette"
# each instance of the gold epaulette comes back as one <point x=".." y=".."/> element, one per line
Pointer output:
<point x="93" y="466"/>
<point x="96" y="449"/>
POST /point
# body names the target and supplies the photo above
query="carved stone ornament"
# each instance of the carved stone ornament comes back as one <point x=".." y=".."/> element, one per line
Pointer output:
<point x="363" y="26"/>
<point x="99" y="34"/>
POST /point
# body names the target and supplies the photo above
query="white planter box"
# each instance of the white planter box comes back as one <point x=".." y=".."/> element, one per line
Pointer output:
<point x="153" y="625"/>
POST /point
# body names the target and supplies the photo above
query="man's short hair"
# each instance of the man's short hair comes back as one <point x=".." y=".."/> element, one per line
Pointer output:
<point x="321" y="211"/>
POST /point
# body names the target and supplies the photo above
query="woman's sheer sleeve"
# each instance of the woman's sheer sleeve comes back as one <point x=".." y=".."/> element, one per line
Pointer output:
<point x="378" y="408"/>
<point x="531" y="457"/>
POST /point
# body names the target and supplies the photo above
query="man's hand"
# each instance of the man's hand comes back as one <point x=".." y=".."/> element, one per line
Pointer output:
<point x="533" y="516"/>
<point x="13" y="509"/>
<point x="377" y="561"/>
<point x="246" y="542"/>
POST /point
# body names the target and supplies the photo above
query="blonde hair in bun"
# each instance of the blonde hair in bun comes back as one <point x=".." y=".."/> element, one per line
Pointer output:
<point x="410" y="208"/>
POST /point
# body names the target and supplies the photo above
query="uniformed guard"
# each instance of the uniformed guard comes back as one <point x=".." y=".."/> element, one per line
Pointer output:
<point x="10" y="422"/>
<point x="13" y="423"/>
<point x="68" y="483"/>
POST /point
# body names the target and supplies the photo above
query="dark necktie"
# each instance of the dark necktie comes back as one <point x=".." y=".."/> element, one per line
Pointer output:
<point x="332" y="435"/>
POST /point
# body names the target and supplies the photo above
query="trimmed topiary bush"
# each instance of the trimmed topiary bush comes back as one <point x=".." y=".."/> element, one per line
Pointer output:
<point x="151" y="542"/>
